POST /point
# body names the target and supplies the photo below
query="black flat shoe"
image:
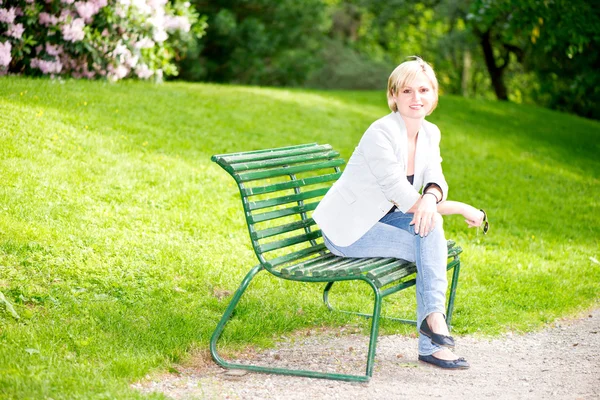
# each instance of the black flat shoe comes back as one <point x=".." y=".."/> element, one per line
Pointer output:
<point x="440" y="340"/>
<point x="460" y="363"/>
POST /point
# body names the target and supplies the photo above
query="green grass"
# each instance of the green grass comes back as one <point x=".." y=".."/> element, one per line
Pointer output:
<point x="118" y="235"/>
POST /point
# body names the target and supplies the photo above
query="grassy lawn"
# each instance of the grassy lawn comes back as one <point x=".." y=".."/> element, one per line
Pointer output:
<point x="120" y="241"/>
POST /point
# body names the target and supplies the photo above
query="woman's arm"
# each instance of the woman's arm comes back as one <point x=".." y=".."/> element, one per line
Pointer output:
<point x="473" y="216"/>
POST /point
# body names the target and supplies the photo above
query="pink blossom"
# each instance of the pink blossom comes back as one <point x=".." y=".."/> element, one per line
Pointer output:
<point x="143" y="72"/>
<point x="7" y="16"/>
<point x="86" y="10"/>
<point x="99" y="3"/>
<point x="77" y="66"/>
<point x="123" y="55"/>
<point x="74" y="32"/>
<point x="47" y="19"/>
<point x="47" y="67"/>
<point x="5" y="56"/>
<point x="158" y="20"/>
<point x="65" y="13"/>
<point x="160" y="35"/>
<point x="116" y="73"/>
<point x="29" y="1"/>
<point x="67" y="1"/>
<point x="15" y="31"/>
<point x="177" y="23"/>
<point x="157" y="4"/>
<point x="142" y="6"/>
<point x="132" y="61"/>
<point x="54" y="50"/>
<point x="144" y="43"/>
<point x="121" y="11"/>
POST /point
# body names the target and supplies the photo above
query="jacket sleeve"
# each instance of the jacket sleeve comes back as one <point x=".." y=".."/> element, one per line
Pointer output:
<point x="433" y="172"/>
<point x="388" y="171"/>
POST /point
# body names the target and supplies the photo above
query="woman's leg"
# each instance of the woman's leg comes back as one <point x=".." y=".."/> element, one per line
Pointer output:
<point x="431" y="255"/>
<point x="394" y="237"/>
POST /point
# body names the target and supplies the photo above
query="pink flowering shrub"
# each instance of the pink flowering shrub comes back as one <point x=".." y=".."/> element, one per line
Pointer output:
<point x="115" y="39"/>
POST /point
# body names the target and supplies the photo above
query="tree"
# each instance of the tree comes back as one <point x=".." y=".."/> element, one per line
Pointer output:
<point x="557" y="40"/>
<point x="102" y="38"/>
<point x="259" y="42"/>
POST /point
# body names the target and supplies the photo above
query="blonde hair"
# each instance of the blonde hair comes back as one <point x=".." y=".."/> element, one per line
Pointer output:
<point x="406" y="73"/>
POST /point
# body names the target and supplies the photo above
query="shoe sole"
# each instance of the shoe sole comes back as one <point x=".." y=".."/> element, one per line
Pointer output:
<point x="444" y="368"/>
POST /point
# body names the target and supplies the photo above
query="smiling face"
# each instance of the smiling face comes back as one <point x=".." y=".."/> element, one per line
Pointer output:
<point x="417" y="98"/>
<point x="413" y="89"/>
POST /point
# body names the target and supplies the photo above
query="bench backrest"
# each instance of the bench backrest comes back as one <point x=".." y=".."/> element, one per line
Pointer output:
<point x="280" y="188"/>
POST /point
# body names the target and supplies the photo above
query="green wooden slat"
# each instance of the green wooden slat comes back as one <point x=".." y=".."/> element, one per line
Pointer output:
<point x="374" y="265"/>
<point x="308" y="269"/>
<point x="322" y="271"/>
<point x="392" y="266"/>
<point x="290" y="269"/>
<point x="331" y="269"/>
<point x="282" y="213"/>
<point x="277" y="230"/>
<point x="452" y="264"/>
<point x="406" y="270"/>
<point x="274" y="153"/>
<point x="251" y="191"/>
<point x="257" y="205"/>
<point x="252" y="176"/>
<point x="353" y="269"/>
<point x="327" y="258"/>
<point x="277" y="162"/>
<point x="297" y="255"/>
<point x="453" y="252"/>
<point x="228" y="156"/>
<point x="279" y="244"/>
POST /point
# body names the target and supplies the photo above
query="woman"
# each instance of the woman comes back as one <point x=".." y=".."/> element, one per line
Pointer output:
<point x="375" y="209"/>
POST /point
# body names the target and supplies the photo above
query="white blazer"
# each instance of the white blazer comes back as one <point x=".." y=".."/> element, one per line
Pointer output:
<point x="374" y="179"/>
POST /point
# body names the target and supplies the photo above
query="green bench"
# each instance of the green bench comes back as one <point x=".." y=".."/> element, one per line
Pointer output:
<point x="279" y="189"/>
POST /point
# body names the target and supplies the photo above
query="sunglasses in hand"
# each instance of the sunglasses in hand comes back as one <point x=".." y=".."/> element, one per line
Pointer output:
<point x="485" y="223"/>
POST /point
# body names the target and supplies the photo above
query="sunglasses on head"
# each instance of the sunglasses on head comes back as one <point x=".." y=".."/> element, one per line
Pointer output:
<point x="485" y="223"/>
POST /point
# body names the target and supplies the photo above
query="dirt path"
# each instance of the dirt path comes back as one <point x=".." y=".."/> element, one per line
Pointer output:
<point x="561" y="362"/>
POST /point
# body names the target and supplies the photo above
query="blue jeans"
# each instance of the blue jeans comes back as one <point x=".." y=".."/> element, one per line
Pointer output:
<point x="393" y="237"/>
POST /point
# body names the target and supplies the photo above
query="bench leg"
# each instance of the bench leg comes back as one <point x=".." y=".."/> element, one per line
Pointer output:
<point x="221" y="325"/>
<point x="374" y="331"/>
<point x="454" y="264"/>
<point x="282" y="371"/>
<point x="374" y="323"/>
<point x="453" y="286"/>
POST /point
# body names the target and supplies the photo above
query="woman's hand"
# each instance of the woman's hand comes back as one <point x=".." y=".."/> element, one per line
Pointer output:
<point x="424" y="217"/>
<point x="473" y="216"/>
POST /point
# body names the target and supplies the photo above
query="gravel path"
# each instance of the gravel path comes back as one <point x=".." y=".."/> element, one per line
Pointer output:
<point x="561" y="362"/>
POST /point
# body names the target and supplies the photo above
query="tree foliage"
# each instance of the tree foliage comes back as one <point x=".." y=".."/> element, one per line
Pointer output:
<point x="259" y="42"/>
<point x="533" y="51"/>
<point x="555" y="40"/>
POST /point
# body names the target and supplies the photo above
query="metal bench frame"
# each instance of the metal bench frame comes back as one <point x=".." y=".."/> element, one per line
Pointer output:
<point x="313" y="263"/>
